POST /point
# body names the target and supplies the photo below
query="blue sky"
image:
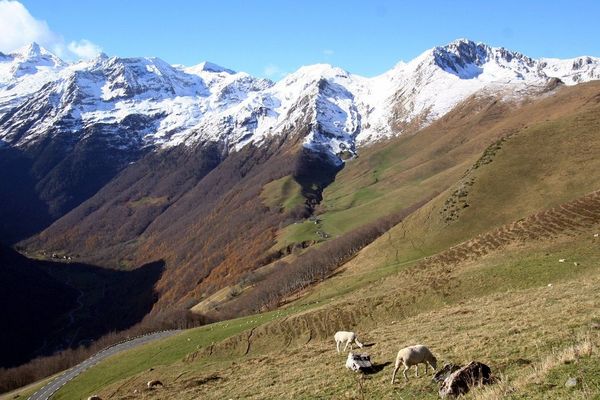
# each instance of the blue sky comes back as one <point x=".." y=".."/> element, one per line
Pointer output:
<point x="270" y="38"/>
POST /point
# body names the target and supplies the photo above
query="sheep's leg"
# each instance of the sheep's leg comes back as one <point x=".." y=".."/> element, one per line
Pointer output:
<point x="394" y="374"/>
<point x="416" y="370"/>
<point x="404" y="372"/>
<point x="337" y="345"/>
<point x="346" y="346"/>
<point x="426" y="368"/>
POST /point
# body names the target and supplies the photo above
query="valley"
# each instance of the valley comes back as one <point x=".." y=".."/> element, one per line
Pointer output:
<point x="432" y="204"/>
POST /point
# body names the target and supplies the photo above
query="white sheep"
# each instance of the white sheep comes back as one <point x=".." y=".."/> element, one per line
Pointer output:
<point x="348" y="337"/>
<point x="414" y="355"/>
<point x="153" y="384"/>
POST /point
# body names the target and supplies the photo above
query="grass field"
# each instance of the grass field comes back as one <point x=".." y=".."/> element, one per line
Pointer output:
<point x="497" y="308"/>
<point x="515" y="325"/>
<point x="283" y="193"/>
<point x="481" y="282"/>
<point x="163" y="353"/>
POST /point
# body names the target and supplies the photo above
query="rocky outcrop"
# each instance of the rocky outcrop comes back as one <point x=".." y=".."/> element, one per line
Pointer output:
<point x="444" y="372"/>
<point x="467" y="377"/>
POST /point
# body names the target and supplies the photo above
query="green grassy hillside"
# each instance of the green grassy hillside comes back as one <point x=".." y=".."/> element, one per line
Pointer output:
<point x="390" y="176"/>
<point x="498" y="309"/>
<point x="474" y="274"/>
<point x="540" y="166"/>
<point x="284" y="192"/>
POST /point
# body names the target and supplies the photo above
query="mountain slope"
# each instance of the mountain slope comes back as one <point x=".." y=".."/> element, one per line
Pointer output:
<point x="204" y="218"/>
<point x="88" y="121"/>
<point x="188" y="193"/>
<point x="444" y="161"/>
<point x="548" y="161"/>
<point x="487" y="285"/>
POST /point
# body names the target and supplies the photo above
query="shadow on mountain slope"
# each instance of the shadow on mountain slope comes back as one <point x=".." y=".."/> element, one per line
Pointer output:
<point x="51" y="306"/>
<point x="22" y="211"/>
<point x="42" y="182"/>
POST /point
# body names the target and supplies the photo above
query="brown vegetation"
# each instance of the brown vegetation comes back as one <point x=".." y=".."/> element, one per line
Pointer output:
<point x="313" y="266"/>
<point x="211" y="227"/>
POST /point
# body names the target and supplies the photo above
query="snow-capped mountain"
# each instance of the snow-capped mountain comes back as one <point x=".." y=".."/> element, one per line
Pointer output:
<point x="145" y="102"/>
<point x="24" y="72"/>
<point x="28" y="60"/>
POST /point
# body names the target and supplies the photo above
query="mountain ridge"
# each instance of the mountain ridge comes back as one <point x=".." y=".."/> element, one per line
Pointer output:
<point x="90" y="120"/>
<point x="209" y="102"/>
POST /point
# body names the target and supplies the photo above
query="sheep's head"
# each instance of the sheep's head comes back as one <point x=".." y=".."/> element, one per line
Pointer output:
<point x="434" y="362"/>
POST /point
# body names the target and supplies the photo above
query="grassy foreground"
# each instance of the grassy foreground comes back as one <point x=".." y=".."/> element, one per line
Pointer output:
<point x="498" y="309"/>
<point x="164" y="352"/>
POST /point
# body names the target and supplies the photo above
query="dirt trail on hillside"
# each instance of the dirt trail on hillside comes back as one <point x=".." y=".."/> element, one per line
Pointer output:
<point x="570" y="219"/>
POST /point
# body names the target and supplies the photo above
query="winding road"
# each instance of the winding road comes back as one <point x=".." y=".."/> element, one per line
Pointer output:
<point x="52" y="387"/>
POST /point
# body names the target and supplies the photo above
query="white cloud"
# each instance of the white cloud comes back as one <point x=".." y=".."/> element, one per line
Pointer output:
<point x="328" y="52"/>
<point x="18" y="28"/>
<point x="84" y="49"/>
<point x="273" y="71"/>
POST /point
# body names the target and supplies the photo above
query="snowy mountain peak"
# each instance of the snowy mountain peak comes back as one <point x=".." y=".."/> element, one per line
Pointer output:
<point x="465" y="58"/>
<point x="315" y="72"/>
<point x="31" y="50"/>
<point x="28" y="60"/>
<point x="34" y="53"/>
<point x="25" y="71"/>
<point x="100" y="57"/>
<point x="465" y="50"/>
<point x="145" y="78"/>
<point x="138" y="102"/>
<point x="207" y="66"/>
<point x="572" y="71"/>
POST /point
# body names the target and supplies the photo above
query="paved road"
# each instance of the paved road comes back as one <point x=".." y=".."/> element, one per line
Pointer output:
<point x="52" y="387"/>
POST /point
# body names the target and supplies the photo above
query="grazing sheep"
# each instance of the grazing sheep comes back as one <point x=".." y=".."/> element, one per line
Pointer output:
<point x="561" y="260"/>
<point x="348" y="337"/>
<point x="95" y="397"/>
<point x="154" y="383"/>
<point x="358" y="362"/>
<point x="414" y="355"/>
